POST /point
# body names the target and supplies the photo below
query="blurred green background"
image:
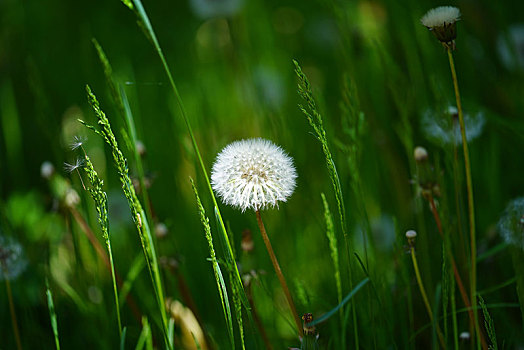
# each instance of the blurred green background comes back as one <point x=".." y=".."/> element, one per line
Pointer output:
<point x="232" y="62"/>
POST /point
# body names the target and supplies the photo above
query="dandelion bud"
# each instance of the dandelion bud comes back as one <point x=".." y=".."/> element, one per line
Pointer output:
<point x="464" y="336"/>
<point x="441" y="21"/>
<point x="411" y="235"/>
<point x="140" y="148"/>
<point x="47" y="169"/>
<point x="161" y="230"/>
<point x="420" y="154"/>
<point x="71" y="198"/>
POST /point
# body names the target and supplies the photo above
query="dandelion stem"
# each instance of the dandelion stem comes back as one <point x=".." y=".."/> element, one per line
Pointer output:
<point x="425" y="297"/>
<point x="469" y="187"/>
<point x="279" y="273"/>
<point x="460" y="284"/>
<point x="13" y="312"/>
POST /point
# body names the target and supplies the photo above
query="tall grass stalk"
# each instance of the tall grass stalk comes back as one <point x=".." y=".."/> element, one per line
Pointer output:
<point x="425" y="297"/>
<point x="333" y="247"/>
<point x="315" y="121"/>
<point x="14" y="322"/>
<point x="279" y="273"/>
<point x="100" y="199"/>
<point x="52" y="314"/>
<point x="145" y="24"/>
<point x="216" y="268"/>
<point x="469" y="187"/>
<point x="137" y="211"/>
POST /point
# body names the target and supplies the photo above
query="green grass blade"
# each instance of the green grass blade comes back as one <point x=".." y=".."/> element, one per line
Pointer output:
<point x="344" y="301"/>
<point x="52" y="314"/>
<point x="123" y="339"/>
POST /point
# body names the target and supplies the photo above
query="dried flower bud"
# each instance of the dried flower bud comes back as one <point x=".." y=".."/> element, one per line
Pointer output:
<point x="247" y="243"/>
<point x="308" y="318"/>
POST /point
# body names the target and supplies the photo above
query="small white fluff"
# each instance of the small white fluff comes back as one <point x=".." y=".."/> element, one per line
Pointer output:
<point x="253" y="173"/>
<point x="440" y="16"/>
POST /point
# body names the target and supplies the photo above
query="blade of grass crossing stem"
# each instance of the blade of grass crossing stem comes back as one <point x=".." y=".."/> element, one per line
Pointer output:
<point x="52" y="314"/>
<point x="120" y="99"/>
<point x="138" y="214"/>
<point x="216" y="267"/>
<point x="145" y="24"/>
<point x="315" y="120"/>
<point x="344" y="301"/>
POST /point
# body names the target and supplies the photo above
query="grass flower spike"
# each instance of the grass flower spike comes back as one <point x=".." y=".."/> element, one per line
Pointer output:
<point x="441" y="21"/>
<point x="253" y="174"/>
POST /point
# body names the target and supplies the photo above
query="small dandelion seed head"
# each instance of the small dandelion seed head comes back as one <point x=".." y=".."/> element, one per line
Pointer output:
<point x="79" y="163"/>
<point x="420" y="154"/>
<point x="12" y="260"/>
<point x="254" y="174"/>
<point x="511" y="224"/>
<point x="78" y="141"/>
<point x="441" y="21"/>
<point x="441" y="126"/>
<point x="47" y="169"/>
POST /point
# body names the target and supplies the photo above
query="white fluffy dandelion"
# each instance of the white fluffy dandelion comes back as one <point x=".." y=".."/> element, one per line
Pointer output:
<point x="12" y="260"/>
<point x="441" y="21"/>
<point x="511" y="225"/>
<point x="253" y="174"/>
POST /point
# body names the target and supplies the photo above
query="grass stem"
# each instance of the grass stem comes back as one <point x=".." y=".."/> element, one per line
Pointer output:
<point x="425" y="297"/>
<point x="280" y="276"/>
<point x="13" y="313"/>
<point x="469" y="187"/>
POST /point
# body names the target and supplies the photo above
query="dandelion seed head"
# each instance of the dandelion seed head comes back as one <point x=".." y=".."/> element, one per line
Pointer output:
<point x="510" y="47"/>
<point x="441" y="21"/>
<point x="79" y="163"/>
<point x="254" y="174"/>
<point x="71" y="198"/>
<point x="12" y="260"/>
<point x="442" y="126"/>
<point x="78" y="141"/>
<point x="464" y="336"/>
<point x="511" y="225"/>
<point x="440" y="16"/>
